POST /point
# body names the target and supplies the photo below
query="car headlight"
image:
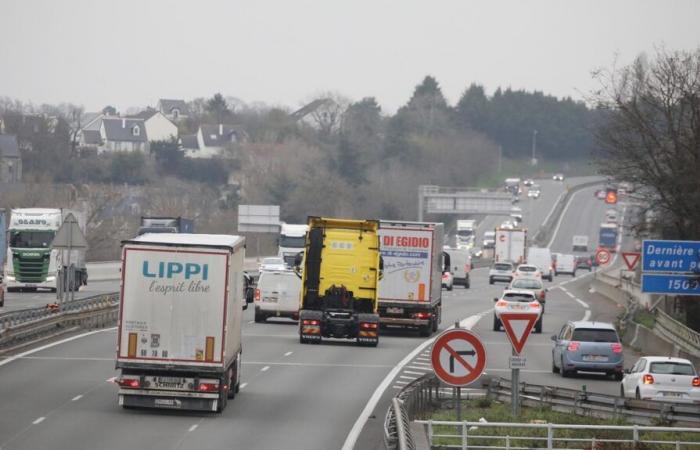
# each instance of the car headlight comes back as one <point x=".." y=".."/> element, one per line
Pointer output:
<point x="49" y="279"/>
<point x="10" y="278"/>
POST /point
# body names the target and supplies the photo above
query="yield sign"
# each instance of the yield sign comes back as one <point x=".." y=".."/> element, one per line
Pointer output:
<point x="631" y="259"/>
<point x="518" y="327"/>
<point x="458" y="357"/>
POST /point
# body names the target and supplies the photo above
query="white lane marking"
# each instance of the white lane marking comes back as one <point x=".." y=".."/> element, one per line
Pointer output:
<point x="53" y="344"/>
<point x="581" y="302"/>
<point x="401" y="382"/>
<point x="39" y="420"/>
<point x="251" y="322"/>
<point x="193" y="427"/>
<point x="586" y="315"/>
<point x="413" y="373"/>
<point x="562" y="287"/>
<point x="397" y="387"/>
<point x="420" y="368"/>
<point x="76" y="398"/>
<point x="288" y="353"/>
<point x="265" y="369"/>
<point x="422" y="359"/>
<point x="408" y="378"/>
<point x="561" y="217"/>
<point x="570" y="294"/>
<point x="354" y="433"/>
<point x="243" y="385"/>
<point x="636" y="334"/>
<point x="111" y="380"/>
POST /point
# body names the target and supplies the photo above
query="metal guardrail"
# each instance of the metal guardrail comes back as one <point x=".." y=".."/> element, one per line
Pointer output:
<point x="473" y="435"/>
<point x="18" y="328"/>
<point x="426" y="394"/>
<point x="678" y="333"/>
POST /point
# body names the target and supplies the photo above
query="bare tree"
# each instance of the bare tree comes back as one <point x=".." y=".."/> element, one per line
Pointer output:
<point x="649" y="134"/>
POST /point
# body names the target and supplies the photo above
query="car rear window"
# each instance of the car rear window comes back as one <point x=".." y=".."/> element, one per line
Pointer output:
<point x="672" y="368"/>
<point x="594" y="335"/>
<point x="527" y="284"/>
<point x="527" y="269"/>
<point x="518" y="297"/>
<point x="503" y="267"/>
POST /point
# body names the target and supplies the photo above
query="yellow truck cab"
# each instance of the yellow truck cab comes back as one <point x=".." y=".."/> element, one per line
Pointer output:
<point x="341" y="271"/>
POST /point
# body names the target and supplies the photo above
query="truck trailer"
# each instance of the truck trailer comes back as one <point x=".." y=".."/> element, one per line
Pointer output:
<point x="31" y="261"/>
<point x="165" y="225"/>
<point x="511" y="245"/>
<point x="341" y="270"/>
<point x="179" y="330"/>
<point x="410" y="292"/>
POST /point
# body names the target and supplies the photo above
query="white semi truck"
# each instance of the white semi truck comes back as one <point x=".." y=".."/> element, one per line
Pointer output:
<point x="291" y="241"/>
<point x="31" y="262"/>
<point x="410" y="291"/>
<point x="466" y="233"/>
<point x="179" y="329"/>
<point x="511" y="245"/>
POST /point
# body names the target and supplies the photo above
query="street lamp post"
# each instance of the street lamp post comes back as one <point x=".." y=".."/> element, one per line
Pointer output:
<point x="534" y="147"/>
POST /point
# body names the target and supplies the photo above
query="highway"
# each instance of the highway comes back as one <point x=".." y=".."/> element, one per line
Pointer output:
<point x="292" y="396"/>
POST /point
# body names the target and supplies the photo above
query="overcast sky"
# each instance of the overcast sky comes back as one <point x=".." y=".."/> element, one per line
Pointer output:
<point x="282" y="52"/>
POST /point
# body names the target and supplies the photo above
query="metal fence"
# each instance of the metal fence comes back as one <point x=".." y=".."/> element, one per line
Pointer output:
<point x="678" y="333"/>
<point x="19" y="328"/>
<point x="500" y="435"/>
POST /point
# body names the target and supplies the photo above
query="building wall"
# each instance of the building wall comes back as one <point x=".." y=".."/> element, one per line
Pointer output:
<point x="123" y="146"/>
<point x="159" y="128"/>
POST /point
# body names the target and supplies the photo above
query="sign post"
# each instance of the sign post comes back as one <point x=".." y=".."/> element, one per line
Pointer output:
<point x="518" y="326"/>
<point x="458" y="358"/>
<point x="68" y="237"/>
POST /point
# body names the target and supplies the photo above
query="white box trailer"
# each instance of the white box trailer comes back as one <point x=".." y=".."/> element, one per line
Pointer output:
<point x="410" y="291"/>
<point x="179" y="329"/>
<point x="510" y="245"/>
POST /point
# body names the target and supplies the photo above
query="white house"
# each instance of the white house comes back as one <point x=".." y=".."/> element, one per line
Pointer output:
<point x="123" y="134"/>
<point x="158" y="127"/>
<point x="174" y="110"/>
<point x="211" y="140"/>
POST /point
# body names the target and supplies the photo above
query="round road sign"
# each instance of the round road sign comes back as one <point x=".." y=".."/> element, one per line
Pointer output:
<point x="602" y="256"/>
<point x="458" y="357"/>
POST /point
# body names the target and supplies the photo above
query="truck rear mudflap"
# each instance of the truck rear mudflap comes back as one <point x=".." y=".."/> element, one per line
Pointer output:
<point x="314" y="325"/>
<point x="193" y="401"/>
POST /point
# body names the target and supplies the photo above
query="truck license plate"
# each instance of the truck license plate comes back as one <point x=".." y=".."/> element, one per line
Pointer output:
<point x="393" y="310"/>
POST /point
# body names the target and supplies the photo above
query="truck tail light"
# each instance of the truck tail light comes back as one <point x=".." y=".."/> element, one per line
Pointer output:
<point x="422" y="315"/>
<point x="369" y="325"/>
<point x="310" y="323"/>
<point x="573" y="346"/>
<point x="467" y="268"/>
<point x="208" y="387"/>
<point x="257" y="295"/>
<point x="130" y="383"/>
<point x="648" y="379"/>
<point x="616" y="348"/>
<point x="696" y="382"/>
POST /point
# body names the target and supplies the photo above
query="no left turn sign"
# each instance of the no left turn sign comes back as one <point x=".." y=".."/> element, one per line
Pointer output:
<point x="458" y="357"/>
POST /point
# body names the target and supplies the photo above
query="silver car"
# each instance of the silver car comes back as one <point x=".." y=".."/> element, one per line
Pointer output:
<point x="587" y="347"/>
<point x="501" y="271"/>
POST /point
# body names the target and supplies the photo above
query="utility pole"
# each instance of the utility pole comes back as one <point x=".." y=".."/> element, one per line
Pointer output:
<point x="534" y="147"/>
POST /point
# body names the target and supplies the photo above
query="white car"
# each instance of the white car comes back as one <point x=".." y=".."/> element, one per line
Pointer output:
<point x="501" y="271"/>
<point x="273" y="263"/>
<point x="534" y="192"/>
<point x="527" y="271"/>
<point x="565" y="264"/>
<point x="516" y="301"/>
<point x="558" y="177"/>
<point x="448" y="280"/>
<point x="662" y="378"/>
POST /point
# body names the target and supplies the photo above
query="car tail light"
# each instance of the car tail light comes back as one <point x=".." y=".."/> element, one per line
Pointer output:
<point x="534" y="305"/>
<point x="696" y="382"/>
<point x="208" y="387"/>
<point x="368" y="325"/>
<point x="257" y="294"/>
<point x="648" y="379"/>
<point x="311" y="323"/>
<point x="541" y="295"/>
<point x="616" y="348"/>
<point x="501" y="303"/>
<point x="467" y="268"/>
<point x="573" y="346"/>
<point x="131" y="383"/>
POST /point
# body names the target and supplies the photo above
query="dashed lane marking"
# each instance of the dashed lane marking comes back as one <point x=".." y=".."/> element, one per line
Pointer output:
<point x="76" y="398"/>
<point x="407" y="377"/>
<point x="243" y="385"/>
<point x="265" y="369"/>
<point x="193" y="427"/>
<point x="410" y="372"/>
<point x="288" y="353"/>
<point x="39" y="420"/>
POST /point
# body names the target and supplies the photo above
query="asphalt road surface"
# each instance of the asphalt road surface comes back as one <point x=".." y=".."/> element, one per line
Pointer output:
<point x="293" y="396"/>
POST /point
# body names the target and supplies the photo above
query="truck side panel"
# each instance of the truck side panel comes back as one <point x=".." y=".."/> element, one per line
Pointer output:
<point x="174" y="306"/>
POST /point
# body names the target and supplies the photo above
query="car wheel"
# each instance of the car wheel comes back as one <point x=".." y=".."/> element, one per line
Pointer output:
<point x="637" y="395"/>
<point x="573" y="274"/>
<point x="496" y="323"/>
<point x="467" y="285"/>
<point x="449" y="288"/>
<point x="490" y="280"/>
<point x="555" y="369"/>
<point x="538" y="326"/>
<point x="622" y="390"/>
<point x="550" y="278"/>
<point x="259" y="317"/>
<point x="563" y="372"/>
<point x="426" y="330"/>
<point x="617" y="376"/>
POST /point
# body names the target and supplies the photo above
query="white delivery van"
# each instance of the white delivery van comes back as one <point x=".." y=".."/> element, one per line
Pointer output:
<point x="460" y="265"/>
<point x="179" y="327"/>
<point x="277" y="295"/>
<point x="565" y="264"/>
<point x="542" y="258"/>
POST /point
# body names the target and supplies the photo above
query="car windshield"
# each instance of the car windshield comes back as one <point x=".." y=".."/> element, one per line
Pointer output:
<point x="594" y="335"/>
<point x="272" y="261"/>
<point x="503" y="267"/>
<point x="672" y="368"/>
<point x="527" y="269"/>
<point x="527" y="284"/>
<point x="31" y="239"/>
<point x="292" y="241"/>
